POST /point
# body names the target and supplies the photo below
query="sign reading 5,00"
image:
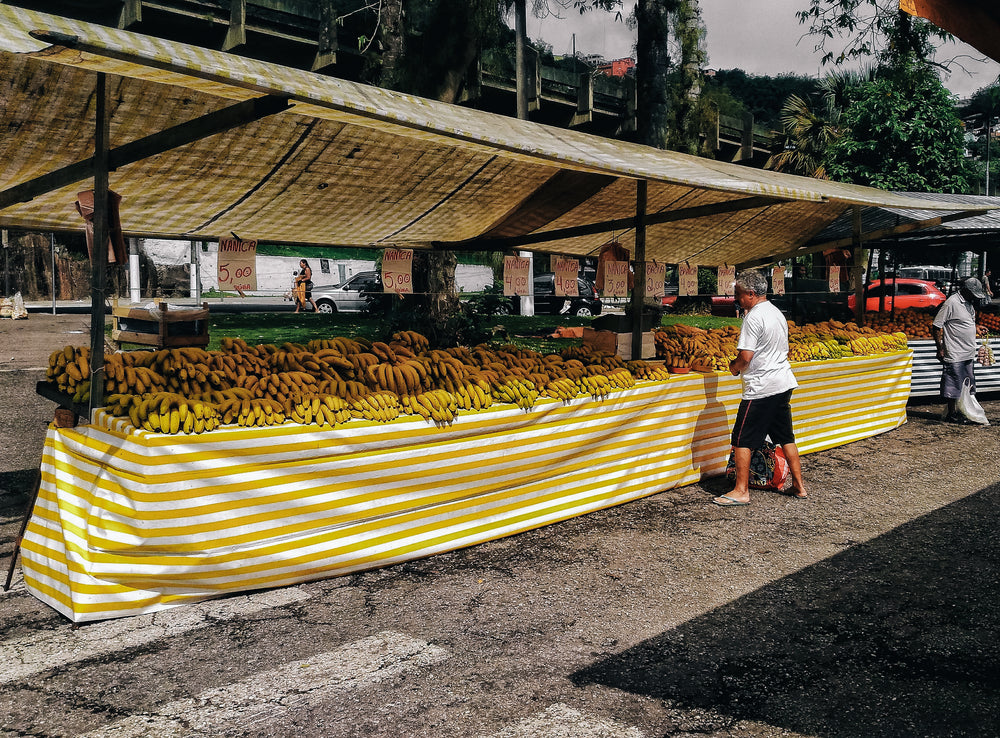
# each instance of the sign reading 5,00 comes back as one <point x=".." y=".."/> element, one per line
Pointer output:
<point x="237" y="265"/>
<point x="397" y="271"/>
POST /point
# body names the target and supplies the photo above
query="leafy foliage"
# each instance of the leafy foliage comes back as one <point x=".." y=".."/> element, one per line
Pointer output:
<point x="870" y="29"/>
<point x="901" y="132"/>
<point x="761" y="95"/>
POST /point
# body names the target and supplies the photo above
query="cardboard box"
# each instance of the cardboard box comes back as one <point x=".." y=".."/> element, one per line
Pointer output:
<point x="619" y="343"/>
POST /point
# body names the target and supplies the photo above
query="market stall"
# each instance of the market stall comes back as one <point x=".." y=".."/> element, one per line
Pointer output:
<point x="130" y="521"/>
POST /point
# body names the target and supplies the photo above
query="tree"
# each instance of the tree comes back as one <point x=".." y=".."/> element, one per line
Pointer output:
<point x="901" y="132"/>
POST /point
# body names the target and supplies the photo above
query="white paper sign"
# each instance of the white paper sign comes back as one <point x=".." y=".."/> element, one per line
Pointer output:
<point x="656" y="275"/>
<point x="397" y="271"/>
<point x="566" y="271"/>
<point x="516" y="272"/>
<point x="835" y="279"/>
<point x="726" y="282"/>
<point x="615" y="278"/>
<point x="778" y="280"/>
<point x="237" y="265"/>
<point x="687" y="279"/>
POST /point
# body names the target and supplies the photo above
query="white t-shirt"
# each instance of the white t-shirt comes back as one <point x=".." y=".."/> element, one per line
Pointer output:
<point x="765" y="332"/>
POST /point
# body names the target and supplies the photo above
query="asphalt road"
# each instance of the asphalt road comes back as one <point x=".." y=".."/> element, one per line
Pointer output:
<point x="870" y="609"/>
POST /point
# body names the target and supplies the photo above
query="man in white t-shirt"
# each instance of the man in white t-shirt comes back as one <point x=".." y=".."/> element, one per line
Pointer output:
<point x="762" y="361"/>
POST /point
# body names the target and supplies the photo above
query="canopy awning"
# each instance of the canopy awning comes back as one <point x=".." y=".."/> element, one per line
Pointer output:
<point x="317" y="160"/>
<point x="974" y="21"/>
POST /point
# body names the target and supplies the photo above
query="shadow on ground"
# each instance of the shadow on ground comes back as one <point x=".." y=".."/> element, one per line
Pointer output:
<point x="899" y="636"/>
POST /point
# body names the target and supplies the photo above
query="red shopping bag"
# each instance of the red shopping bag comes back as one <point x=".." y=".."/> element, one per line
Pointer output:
<point x="768" y="467"/>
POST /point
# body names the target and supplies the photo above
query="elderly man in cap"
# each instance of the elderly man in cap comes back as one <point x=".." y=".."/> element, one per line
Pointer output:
<point x="954" y="332"/>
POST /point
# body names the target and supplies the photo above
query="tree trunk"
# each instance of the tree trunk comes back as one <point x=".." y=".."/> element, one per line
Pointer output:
<point x="392" y="37"/>
<point x="652" y="66"/>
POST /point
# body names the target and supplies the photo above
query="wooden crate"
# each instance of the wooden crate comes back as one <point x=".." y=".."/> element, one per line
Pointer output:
<point x="162" y="328"/>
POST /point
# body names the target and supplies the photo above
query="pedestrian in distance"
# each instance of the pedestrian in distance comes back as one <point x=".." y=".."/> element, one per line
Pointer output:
<point x="303" y="287"/>
<point x="988" y="284"/>
<point x="762" y="364"/>
<point x="954" y="333"/>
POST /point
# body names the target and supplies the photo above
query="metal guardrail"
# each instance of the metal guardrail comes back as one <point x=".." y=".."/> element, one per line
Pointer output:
<point x="926" y="378"/>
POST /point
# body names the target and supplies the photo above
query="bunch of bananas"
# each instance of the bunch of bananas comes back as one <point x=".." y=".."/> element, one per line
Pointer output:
<point x="165" y="412"/>
<point x="473" y="394"/>
<point x="438" y="405"/>
<point x="596" y="385"/>
<point x="253" y="412"/>
<point x="648" y="372"/>
<point x="564" y="389"/>
<point x="322" y="410"/>
<point x="380" y="406"/>
<point x="517" y="391"/>
<point x="620" y="378"/>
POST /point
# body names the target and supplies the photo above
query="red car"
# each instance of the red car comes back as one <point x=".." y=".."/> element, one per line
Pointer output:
<point x="909" y="293"/>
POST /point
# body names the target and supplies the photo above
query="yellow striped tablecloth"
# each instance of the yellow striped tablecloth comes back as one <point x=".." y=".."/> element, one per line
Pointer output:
<point x="129" y="522"/>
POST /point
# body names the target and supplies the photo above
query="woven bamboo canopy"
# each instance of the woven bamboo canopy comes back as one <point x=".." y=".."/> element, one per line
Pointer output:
<point x="204" y="143"/>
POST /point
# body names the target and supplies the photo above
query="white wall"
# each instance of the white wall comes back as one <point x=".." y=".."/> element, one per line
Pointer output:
<point x="274" y="273"/>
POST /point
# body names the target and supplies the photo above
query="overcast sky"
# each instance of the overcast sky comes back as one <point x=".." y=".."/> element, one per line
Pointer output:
<point x="757" y="36"/>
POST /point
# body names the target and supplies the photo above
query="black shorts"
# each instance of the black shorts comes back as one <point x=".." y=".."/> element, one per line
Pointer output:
<point x="761" y="417"/>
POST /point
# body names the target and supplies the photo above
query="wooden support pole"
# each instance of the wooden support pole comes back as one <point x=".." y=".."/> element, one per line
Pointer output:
<point x="99" y="257"/>
<point x="639" y="288"/>
<point x="857" y="265"/>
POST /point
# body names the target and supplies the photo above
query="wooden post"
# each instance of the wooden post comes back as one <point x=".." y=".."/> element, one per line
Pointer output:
<point x="237" y="33"/>
<point x="857" y="266"/>
<point x="639" y="288"/>
<point x="99" y="258"/>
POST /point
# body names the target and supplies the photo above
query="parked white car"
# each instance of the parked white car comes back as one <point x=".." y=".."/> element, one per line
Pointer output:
<point x="349" y="297"/>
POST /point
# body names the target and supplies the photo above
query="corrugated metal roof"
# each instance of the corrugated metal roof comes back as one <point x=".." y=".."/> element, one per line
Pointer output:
<point x="878" y="218"/>
<point x="355" y="165"/>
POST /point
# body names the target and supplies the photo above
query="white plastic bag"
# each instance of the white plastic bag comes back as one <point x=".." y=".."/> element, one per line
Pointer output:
<point x="18" y="311"/>
<point x="969" y="406"/>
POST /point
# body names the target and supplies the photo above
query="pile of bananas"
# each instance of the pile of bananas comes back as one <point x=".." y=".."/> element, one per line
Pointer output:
<point x="330" y="381"/>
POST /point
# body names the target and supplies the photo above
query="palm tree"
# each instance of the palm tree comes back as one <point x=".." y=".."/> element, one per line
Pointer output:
<point x="809" y="130"/>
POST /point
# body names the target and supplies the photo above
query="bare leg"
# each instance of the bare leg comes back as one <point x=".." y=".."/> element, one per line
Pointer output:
<point x="792" y="454"/>
<point x="741" y="490"/>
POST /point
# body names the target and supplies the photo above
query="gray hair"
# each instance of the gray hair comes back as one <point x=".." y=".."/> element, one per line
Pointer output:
<point x="752" y="281"/>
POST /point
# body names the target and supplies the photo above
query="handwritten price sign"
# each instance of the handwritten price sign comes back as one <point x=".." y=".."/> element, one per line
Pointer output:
<point x="237" y="265"/>
<point x="615" y="278"/>
<point x="565" y="273"/>
<point x="397" y="271"/>
<point x="516" y="273"/>
<point x="656" y="275"/>
<point x="727" y="280"/>
<point x="688" y="279"/>
<point x="778" y="280"/>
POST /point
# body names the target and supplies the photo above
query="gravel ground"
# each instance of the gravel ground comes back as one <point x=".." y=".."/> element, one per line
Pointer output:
<point x="870" y="609"/>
